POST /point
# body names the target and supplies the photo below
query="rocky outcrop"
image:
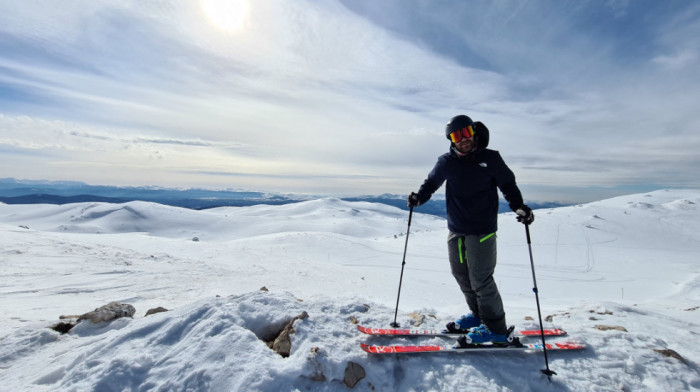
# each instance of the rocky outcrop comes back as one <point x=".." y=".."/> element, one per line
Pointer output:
<point x="109" y="312"/>
<point x="106" y="313"/>
<point x="353" y="374"/>
<point x="282" y="343"/>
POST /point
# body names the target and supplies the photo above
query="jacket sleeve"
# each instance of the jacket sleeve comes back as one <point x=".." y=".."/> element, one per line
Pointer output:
<point x="505" y="180"/>
<point x="435" y="179"/>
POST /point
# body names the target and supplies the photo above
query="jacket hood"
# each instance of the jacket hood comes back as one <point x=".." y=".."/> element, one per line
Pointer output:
<point x="482" y="135"/>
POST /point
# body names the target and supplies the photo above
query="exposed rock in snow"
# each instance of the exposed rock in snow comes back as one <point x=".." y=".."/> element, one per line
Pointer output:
<point x="159" y="309"/>
<point x="109" y="312"/>
<point x="353" y="374"/>
<point x="282" y="344"/>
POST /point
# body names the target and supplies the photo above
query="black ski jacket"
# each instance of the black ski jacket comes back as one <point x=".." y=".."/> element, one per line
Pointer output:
<point x="471" y="195"/>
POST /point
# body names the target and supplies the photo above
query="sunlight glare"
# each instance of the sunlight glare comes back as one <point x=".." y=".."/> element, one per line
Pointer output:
<point x="226" y="15"/>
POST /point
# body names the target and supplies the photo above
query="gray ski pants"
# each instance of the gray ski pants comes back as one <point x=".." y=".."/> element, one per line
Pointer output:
<point x="473" y="261"/>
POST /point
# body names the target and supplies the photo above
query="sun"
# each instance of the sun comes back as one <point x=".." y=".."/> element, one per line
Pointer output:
<point x="226" y="15"/>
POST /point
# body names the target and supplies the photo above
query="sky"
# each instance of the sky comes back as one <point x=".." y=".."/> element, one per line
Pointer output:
<point x="583" y="99"/>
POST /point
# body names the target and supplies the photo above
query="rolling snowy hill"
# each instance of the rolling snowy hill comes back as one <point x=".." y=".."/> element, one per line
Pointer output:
<point x="621" y="275"/>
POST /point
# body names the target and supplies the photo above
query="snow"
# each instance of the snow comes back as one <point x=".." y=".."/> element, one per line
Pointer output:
<point x="630" y="263"/>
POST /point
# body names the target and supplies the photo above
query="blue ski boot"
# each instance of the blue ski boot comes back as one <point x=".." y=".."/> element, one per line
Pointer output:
<point x="482" y="334"/>
<point x="464" y="324"/>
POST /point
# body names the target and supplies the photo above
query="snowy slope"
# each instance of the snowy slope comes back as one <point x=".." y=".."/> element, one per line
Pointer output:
<point x="629" y="262"/>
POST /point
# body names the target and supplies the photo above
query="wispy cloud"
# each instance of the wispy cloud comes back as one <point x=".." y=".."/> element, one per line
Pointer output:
<point x="575" y="92"/>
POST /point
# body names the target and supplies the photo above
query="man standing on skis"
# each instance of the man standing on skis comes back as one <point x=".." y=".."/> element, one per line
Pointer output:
<point x="473" y="174"/>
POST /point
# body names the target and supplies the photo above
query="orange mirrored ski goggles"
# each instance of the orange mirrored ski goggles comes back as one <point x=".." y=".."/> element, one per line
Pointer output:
<point x="463" y="133"/>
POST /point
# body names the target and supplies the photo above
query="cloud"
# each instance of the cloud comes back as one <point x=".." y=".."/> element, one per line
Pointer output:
<point x="340" y="90"/>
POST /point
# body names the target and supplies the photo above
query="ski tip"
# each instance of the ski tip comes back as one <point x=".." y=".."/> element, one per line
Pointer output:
<point x="555" y="332"/>
<point x="375" y="349"/>
<point x="570" y="346"/>
<point x="370" y="331"/>
<point x="538" y="332"/>
<point x="375" y="331"/>
<point x="401" y="349"/>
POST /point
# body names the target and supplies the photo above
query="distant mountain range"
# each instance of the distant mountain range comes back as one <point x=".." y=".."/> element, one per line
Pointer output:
<point x="14" y="191"/>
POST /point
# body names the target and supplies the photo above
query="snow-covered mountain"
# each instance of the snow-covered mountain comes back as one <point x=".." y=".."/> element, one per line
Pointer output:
<point x="621" y="275"/>
<point x="14" y="191"/>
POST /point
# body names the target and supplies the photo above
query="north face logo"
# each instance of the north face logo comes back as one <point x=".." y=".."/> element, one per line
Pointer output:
<point x="483" y="164"/>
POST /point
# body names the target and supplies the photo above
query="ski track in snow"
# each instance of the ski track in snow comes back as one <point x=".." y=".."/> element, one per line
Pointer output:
<point x="628" y="263"/>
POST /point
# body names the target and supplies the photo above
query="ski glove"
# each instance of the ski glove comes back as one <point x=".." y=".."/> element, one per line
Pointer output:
<point x="413" y="200"/>
<point x="525" y="215"/>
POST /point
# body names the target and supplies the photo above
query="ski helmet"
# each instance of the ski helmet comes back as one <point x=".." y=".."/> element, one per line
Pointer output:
<point x="457" y="123"/>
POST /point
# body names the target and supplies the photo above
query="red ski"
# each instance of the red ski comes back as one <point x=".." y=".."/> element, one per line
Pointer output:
<point x="470" y="348"/>
<point x="434" y="332"/>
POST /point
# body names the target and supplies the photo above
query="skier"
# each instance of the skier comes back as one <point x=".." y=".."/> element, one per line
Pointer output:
<point x="473" y="173"/>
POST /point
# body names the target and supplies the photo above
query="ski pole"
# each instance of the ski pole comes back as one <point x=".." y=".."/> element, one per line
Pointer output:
<point x="549" y="373"/>
<point x="403" y="263"/>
